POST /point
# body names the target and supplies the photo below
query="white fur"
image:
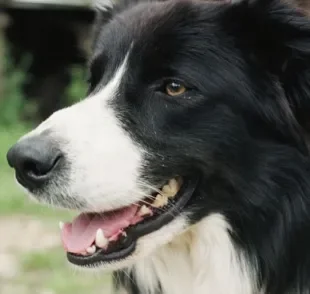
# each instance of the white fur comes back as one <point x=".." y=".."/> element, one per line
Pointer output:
<point x="202" y="260"/>
<point x="104" y="162"/>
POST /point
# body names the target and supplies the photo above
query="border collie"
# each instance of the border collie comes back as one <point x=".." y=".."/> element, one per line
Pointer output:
<point x="188" y="161"/>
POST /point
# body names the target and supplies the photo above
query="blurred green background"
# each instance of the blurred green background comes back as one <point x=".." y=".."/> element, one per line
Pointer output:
<point x="31" y="257"/>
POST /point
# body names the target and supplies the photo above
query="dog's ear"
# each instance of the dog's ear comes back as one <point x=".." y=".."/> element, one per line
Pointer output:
<point x="277" y="33"/>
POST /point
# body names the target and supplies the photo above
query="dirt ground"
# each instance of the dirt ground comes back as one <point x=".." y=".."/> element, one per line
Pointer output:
<point x="23" y="236"/>
<point x="20" y="235"/>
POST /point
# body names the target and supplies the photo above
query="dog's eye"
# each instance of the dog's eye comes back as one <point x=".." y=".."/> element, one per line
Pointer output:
<point x="175" y="88"/>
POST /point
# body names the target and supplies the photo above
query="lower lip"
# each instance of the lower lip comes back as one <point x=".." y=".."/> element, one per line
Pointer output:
<point x="137" y="231"/>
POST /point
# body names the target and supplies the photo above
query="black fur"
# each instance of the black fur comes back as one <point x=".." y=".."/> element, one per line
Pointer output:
<point x="242" y="124"/>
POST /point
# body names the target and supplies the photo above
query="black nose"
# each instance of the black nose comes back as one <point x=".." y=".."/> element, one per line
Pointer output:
<point x="34" y="160"/>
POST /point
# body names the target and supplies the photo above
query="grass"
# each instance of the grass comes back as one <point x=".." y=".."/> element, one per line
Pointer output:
<point x="45" y="271"/>
<point x="56" y="276"/>
<point x="11" y="198"/>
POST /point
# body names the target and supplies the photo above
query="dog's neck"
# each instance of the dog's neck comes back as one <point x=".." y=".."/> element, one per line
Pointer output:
<point x="209" y="258"/>
<point x="202" y="260"/>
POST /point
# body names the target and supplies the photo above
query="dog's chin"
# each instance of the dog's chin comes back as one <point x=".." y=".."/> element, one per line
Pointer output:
<point x="116" y="239"/>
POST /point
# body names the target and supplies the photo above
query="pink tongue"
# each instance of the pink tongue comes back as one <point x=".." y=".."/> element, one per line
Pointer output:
<point x="81" y="233"/>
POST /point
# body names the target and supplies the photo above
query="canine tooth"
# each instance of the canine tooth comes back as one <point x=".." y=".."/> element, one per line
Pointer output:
<point x="61" y="225"/>
<point x="160" y="201"/>
<point x="91" y="250"/>
<point x="144" y="210"/>
<point x="101" y="241"/>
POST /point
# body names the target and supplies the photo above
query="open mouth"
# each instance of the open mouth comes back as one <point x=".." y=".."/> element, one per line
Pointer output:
<point x="95" y="238"/>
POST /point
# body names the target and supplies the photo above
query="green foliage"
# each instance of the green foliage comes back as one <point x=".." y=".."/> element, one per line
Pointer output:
<point x="14" y="106"/>
<point x="78" y="86"/>
<point x="12" y="102"/>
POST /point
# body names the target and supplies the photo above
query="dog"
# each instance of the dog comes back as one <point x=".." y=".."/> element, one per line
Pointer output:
<point x="189" y="159"/>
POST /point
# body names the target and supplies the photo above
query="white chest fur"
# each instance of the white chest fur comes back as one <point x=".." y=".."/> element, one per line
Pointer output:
<point x="203" y="260"/>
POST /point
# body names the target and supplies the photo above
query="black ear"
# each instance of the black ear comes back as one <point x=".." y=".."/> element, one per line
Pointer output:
<point x="278" y="36"/>
<point x="274" y="31"/>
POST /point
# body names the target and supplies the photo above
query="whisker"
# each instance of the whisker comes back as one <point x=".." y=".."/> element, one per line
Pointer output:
<point x="148" y="186"/>
<point x="129" y="277"/>
<point x="147" y="195"/>
<point x="151" y="197"/>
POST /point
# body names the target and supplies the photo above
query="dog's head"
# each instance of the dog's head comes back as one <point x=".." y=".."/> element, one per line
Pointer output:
<point x="180" y="92"/>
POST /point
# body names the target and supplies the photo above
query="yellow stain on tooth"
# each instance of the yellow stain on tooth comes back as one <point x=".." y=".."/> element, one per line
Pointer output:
<point x="160" y="201"/>
<point x="171" y="189"/>
<point x="167" y="191"/>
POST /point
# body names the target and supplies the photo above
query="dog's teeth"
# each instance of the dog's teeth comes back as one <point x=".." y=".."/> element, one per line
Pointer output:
<point x="171" y="189"/>
<point x="91" y="250"/>
<point x="101" y="241"/>
<point x="61" y="225"/>
<point x="174" y="185"/>
<point x="144" y="210"/>
<point x="166" y="190"/>
<point x="160" y="201"/>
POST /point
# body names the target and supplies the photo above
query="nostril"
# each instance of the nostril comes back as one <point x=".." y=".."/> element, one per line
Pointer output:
<point x="38" y="168"/>
<point x="34" y="169"/>
<point x="31" y="167"/>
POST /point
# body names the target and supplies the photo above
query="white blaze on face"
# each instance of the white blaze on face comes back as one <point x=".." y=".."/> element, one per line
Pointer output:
<point x="104" y="162"/>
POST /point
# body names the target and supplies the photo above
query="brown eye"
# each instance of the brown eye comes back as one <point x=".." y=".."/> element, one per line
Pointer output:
<point x="175" y="89"/>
